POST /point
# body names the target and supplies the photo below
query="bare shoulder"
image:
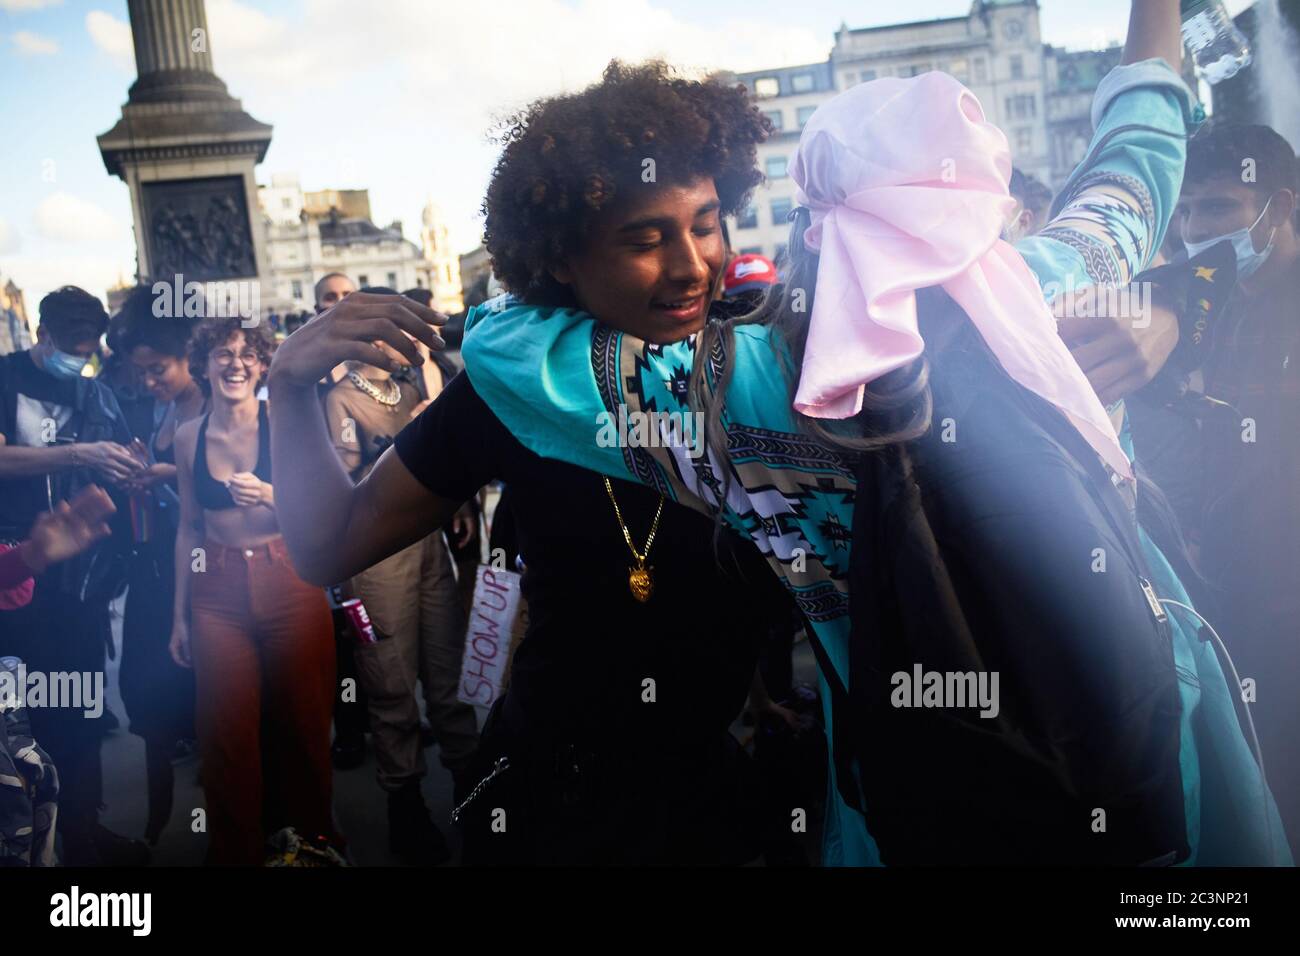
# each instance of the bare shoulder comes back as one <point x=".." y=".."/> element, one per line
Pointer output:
<point x="187" y="436"/>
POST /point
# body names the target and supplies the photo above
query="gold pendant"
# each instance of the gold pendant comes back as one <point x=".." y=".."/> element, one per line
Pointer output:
<point x="638" y="579"/>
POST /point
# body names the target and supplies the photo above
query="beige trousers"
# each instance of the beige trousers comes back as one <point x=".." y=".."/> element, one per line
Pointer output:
<point x="415" y="606"/>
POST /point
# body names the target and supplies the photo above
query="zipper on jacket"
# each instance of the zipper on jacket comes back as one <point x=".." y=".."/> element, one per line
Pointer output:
<point x="1157" y="611"/>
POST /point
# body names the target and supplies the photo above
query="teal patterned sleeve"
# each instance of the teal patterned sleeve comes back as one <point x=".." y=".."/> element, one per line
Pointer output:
<point x="1110" y="218"/>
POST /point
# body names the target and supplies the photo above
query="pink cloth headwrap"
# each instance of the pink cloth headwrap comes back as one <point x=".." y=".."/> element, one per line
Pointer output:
<point x="907" y="184"/>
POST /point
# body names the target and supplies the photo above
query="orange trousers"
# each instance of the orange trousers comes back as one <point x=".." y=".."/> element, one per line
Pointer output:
<point x="262" y="644"/>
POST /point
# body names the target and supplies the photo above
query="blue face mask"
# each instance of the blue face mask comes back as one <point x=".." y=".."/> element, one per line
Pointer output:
<point x="62" y="365"/>
<point x="1248" y="260"/>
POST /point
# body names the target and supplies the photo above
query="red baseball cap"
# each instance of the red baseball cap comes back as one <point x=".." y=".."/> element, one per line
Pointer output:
<point x="748" y="273"/>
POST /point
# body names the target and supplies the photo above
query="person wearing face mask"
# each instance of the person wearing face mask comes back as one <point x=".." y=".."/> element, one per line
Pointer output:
<point x="61" y="431"/>
<point x="1240" y="189"/>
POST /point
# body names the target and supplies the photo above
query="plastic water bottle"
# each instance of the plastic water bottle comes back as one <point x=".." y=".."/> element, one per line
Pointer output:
<point x="1216" y="44"/>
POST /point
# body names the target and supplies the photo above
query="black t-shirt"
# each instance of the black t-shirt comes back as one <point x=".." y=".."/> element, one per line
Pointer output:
<point x="580" y="669"/>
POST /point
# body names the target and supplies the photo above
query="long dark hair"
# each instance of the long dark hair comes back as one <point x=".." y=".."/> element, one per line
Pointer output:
<point x="901" y="398"/>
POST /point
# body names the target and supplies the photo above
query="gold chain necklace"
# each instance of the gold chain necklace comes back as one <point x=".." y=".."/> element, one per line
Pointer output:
<point x="638" y="576"/>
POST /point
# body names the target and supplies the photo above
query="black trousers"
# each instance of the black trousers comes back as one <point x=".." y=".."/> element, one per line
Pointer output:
<point x="684" y="799"/>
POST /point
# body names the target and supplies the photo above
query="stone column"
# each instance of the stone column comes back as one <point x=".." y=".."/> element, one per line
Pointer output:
<point x="186" y="150"/>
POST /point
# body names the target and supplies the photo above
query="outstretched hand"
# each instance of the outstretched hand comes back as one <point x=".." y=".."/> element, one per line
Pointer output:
<point x="375" y="328"/>
<point x="69" y="529"/>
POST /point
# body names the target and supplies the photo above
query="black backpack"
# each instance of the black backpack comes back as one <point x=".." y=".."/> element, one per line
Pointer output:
<point x="976" y="549"/>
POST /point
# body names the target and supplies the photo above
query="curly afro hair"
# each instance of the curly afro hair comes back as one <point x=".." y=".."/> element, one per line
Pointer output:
<point x="567" y="157"/>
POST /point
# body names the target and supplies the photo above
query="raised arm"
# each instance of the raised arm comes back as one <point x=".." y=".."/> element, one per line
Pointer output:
<point x="1154" y="30"/>
<point x="334" y="529"/>
<point x="1111" y="216"/>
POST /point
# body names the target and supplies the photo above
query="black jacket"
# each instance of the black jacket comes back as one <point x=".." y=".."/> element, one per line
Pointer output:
<point x="976" y="549"/>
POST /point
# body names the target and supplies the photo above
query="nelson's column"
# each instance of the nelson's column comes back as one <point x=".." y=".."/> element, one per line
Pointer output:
<point x="186" y="149"/>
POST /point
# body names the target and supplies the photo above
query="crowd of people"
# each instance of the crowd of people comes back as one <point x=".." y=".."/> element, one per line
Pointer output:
<point x="919" y="453"/>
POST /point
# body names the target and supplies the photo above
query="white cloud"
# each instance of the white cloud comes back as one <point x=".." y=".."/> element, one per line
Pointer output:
<point x="33" y="44"/>
<point x="414" y="77"/>
<point x="403" y="96"/>
<point x="467" y="60"/>
<point x="113" y="36"/>
<point x="10" y="241"/>
<point x="21" y="6"/>
<point x="65" y="218"/>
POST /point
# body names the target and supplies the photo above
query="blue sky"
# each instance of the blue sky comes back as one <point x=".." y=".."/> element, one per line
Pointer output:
<point x="391" y="95"/>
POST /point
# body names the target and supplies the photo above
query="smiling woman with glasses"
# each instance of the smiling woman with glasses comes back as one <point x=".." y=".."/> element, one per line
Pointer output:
<point x="260" y="639"/>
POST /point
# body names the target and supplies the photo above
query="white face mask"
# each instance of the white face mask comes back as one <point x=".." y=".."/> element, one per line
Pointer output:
<point x="1248" y="260"/>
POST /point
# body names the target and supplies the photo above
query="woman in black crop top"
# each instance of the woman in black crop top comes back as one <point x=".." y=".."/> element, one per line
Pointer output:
<point x="159" y="695"/>
<point x="259" y="638"/>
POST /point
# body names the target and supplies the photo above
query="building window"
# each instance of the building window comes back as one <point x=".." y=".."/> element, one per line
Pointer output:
<point x="297" y="288"/>
<point x="1024" y="140"/>
<point x="775" y="117"/>
<point x="802" y="83"/>
<point x="850" y="79"/>
<point x="752" y="251"/>
<point x="775" y="167"/>
<point x="766" y="86"/>
<point x="363" y="280"/>
<point x="1022" y="106"/>
<point x="804" y="114"/>
<point x="915" y="69"/>
<point x="286" y="202"/>
<point x="868" y="76"/>
<point x="1017" y="67"/>
<point x="781" y="210"/>
<point x="981" y="70"/>
<point x="960" y="70"/>
<point x="392" y="280"/>
<point x="748" y="218"/>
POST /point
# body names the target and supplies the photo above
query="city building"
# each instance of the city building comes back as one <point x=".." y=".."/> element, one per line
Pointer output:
<point x="307" y="238"/>
<point x="788" y="98"/>
<point x="444" y="263"/>
<point x="476" y="275"/>
<point x="1072" y="77"/>
<point x="116" y="295"/>
<point x="1039" y="96"/>
<point x="16" y="333"/>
